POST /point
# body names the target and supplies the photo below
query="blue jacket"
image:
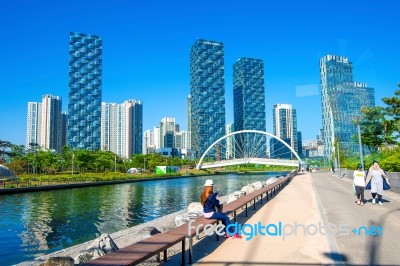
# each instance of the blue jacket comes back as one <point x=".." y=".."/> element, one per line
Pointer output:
<point x="211" y="203"/>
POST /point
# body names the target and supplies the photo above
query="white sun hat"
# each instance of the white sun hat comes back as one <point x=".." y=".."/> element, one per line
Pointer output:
<point x="209" y="183"/>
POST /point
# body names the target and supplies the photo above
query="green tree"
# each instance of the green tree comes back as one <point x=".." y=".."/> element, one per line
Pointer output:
<point x="372" y="127"/>
<point x="83" y="160"/>
<point x="17" y="151"/>
<point x="380" y="126"/>
<point x="5" y="149"/>
<point x="342" y="155"/>
<point x="104" y="160"/>
<point x="393" y="111"/>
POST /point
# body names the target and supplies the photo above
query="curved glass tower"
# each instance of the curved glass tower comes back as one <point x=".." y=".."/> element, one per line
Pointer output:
<point x="85" y="84"/>
<point x="342" y="99"/>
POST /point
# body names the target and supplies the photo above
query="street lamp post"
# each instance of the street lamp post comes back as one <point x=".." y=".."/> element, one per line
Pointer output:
<point x="73" y="157"/>
<point x="360" y="146"/>
<point x="338" y="155"/>
<point x="115" y="163"/>
<point x="35" y="145"/>
<point x="144" y="165"/>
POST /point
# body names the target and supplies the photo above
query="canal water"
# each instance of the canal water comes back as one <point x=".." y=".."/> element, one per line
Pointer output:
<point x="38" y="223"/>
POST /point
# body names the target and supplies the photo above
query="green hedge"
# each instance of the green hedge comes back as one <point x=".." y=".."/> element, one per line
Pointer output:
<point x="389" y="160"/>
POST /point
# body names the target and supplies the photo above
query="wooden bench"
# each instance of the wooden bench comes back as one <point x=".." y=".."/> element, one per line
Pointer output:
<point x="230" y="208"/>
<point x="149" y="247"/>
<point x="141" y="251"/>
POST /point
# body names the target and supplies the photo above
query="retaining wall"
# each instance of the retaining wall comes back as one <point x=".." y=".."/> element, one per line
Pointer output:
<point x="394" y="178"/>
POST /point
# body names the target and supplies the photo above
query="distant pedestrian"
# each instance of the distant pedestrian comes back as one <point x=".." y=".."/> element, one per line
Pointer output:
<point x="359" y="184"/>
<point x="211" y="205"/>
<point x="376" y="179"/>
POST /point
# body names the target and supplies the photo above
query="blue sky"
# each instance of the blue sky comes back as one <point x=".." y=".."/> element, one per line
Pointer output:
<point x="146" y="51"/>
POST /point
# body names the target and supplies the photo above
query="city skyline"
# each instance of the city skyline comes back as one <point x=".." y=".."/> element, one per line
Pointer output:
<point x="146" y="52"/>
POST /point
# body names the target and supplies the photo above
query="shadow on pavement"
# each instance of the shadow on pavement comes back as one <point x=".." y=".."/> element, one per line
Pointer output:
<point x="337" y="257"/>
<point x="373" y="245"/>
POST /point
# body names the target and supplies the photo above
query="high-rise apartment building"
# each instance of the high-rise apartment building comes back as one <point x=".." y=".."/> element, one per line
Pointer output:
<point x="285" y="127"/>
<point x="342" y="99"/>
<point x="185" y="139"/>
<point x="299" y="149"/>
<point x="64" y="129"/>
<point x="85" y="89"/>
<point x="207" y="94"/>
<point x="230" y="147"/>
<point x="249" y="94"/>
<point x="167" y="132"/>
<point x="135" y="111"/>
<point x="178" y="140"/>
<point x="148" y="142"/>
<point x="121" y="128"/>
<point x="51" y="130"/>
<point x="157" y="137"/>
<point x="34" y="125"/>
<point x="45" y="124"/>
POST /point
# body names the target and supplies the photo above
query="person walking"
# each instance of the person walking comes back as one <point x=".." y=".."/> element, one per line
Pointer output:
<point x="359" y="184"/>
<point x="376" y="178"/>
<point x="210" y="203"/>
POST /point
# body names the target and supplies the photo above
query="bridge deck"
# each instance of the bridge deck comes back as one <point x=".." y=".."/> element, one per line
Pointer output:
<point x="265" y="161"/>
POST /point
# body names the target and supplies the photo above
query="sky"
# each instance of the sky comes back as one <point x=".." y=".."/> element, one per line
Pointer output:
<point x="146" y="51"/>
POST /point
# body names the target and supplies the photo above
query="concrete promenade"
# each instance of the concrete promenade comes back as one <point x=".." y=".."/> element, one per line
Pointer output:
<point x="317" y="200"/>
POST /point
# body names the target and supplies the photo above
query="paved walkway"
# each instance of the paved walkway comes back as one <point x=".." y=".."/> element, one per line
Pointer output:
<point x="317" y="200"/>
<point x="338" y="204"/>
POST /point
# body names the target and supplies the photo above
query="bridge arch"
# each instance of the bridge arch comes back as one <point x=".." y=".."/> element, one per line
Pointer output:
<point x="249" y="159"/>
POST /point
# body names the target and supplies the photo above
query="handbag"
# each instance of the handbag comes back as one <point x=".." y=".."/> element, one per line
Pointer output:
<point x="386" y="183"/>
<point x="354" y="190"/>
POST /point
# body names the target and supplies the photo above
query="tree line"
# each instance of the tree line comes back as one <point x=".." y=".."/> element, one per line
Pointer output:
<point x="380" y="132"/>
<point x="80" y="161"/>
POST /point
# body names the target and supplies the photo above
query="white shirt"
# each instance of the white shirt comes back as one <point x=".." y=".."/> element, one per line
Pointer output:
<point x="359" y="178"/>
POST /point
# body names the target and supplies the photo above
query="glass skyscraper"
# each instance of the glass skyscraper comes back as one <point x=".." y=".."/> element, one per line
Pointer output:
<point x="342" y="99"/>
<point x="249" y="103"/>
<point x="207" y="91"/>
<point x="85" y="85"/>
<point x="249" y="94"/>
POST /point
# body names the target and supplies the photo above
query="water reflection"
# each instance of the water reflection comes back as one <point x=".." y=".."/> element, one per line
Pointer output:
<point x="32" y="224"/>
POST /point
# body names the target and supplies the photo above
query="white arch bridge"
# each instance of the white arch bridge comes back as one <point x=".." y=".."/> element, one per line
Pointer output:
<point x="249" y="147"/>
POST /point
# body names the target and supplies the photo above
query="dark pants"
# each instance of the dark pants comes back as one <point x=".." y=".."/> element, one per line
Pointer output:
<point x="379" y="196"/>
<point x="360" y="193"/>
<point x="224" y="218"/>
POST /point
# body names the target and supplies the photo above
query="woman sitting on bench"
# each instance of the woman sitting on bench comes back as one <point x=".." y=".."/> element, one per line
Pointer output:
<point x="210" y="203"/>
